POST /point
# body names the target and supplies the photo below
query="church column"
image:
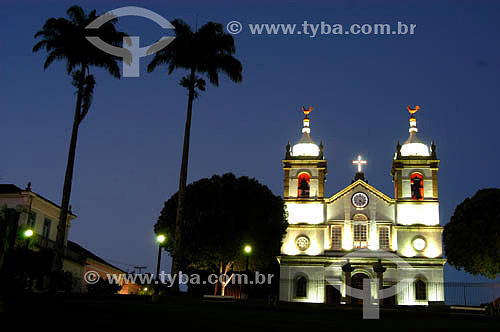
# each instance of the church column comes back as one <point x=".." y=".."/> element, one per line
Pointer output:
<point x="379" y="269"/>
<point x="321" y="183"/>
<point x="373" y="243"/>
<point x="347" y="268"/>
<point x="286" y="186"/>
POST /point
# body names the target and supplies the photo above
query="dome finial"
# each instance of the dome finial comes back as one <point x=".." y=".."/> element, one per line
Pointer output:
<point x="413" y="146"/>
<point x="413" y="121"/>
<point x="306" y="111"/>
<point x="413" y="111"/>
<point x="306" y="146"/>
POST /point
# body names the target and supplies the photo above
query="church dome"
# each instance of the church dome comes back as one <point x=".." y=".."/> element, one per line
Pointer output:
<point x="306" y="146"/>
<point x="413" y="145"/>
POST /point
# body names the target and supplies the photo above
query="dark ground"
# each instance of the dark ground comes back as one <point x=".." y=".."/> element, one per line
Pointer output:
<point x="138" y="311"/>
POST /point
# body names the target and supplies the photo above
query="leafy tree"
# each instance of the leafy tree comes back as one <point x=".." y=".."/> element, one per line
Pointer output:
<point x="64" y="39"/>
<point x="222" y="215"/>
<point x="472" y="237"/>
<point x="208" y="51"/>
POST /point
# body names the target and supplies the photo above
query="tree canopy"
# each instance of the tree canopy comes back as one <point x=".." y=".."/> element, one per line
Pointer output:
<point x="472" y="237"/>
<point x="222" y="215"/>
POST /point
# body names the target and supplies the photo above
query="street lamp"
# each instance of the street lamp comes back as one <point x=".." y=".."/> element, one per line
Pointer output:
<point x="160" y="239"/>
<point x="248" y="251"/>
<point x="28" y="233"/>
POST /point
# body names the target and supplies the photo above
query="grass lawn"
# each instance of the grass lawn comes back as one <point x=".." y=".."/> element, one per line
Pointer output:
<point x="139" y="311"/>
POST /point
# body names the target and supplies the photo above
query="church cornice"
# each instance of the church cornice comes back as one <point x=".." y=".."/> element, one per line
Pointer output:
<point x="304" y="226"/>
<point x="419" y="227"/>
<point x="420" y="201"/>
<point x="303" y="200"/>
<point x="365" y="185"/>
<point x="416" y="162"/>
<point x="318" y="163"/>
<point x="324" y="260"/>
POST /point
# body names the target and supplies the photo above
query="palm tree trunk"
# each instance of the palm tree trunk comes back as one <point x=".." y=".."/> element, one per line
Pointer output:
<point x="182" y="184"/>
<point x="57" y="263"/>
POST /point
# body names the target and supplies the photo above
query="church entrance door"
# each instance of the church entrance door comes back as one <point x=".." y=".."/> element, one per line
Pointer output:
<point x="357" y="282"/>
<point x="333" y="295"/>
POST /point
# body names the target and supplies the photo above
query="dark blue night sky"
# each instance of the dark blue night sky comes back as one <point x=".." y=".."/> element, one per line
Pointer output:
<point x="129" y="150"/>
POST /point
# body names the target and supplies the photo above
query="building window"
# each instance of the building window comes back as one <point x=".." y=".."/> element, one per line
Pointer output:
<point x="420" y="290"/>
<point x="46" y="228"/>
<point x="417" y="186"/>
<point x="302" y="242"/>
<point x="304" y="181"/>
<point x="337" y="237"/>
<point x="383" y="237"/>
<point x="31" y="220"/>
<point x="360" y="236"/>
<point x="301" y="287"/>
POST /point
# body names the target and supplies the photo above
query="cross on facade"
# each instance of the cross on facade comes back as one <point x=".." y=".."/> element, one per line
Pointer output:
<point x="359" y="162"/>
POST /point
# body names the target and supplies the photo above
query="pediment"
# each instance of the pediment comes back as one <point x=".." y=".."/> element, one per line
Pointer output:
<point x="355" y="186"/>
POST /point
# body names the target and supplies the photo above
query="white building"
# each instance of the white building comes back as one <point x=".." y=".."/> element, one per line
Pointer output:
<point x="333" y="244"/>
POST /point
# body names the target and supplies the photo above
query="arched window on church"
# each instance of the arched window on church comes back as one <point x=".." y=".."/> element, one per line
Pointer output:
<point x="301" y="287"/>
<point x="304" y="181"/>
<point x="417" y="186"/>
<point x="420" y="290"/>
<point x="360" y="230"/>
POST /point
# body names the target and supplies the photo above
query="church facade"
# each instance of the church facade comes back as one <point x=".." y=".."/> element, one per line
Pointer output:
<point x="361" y="237"/>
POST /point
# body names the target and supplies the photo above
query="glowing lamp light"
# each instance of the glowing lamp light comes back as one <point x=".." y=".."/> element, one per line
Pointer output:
<point x="161" y="238"/>
<point x="28" y="233"/>
<point x="247" y="249"/>
<point x="419" y="243"/>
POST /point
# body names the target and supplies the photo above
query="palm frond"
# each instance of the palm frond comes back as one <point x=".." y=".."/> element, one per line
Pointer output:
<point x="208" y="51"/>
<point x="77" y="15"/>
<point x="64" y="39"/>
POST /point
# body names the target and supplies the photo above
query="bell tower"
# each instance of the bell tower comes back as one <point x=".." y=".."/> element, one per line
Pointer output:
<point x="414" y="172"/>
<point x="304" y="166"/>
<point x="305" y="171"/>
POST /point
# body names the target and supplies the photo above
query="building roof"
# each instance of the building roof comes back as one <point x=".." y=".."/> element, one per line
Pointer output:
<point x="365" y="185"/>
<point x="9" y="188"/>
<point x="87" y="253"/>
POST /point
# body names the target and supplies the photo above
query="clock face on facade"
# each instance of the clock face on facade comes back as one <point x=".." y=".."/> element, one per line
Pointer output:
<point x="359" y="200"/>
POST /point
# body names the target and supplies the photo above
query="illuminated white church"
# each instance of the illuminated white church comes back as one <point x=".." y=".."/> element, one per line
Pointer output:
<point x="334" y="243"/>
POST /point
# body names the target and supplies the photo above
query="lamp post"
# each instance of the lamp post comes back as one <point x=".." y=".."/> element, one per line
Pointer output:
<point x="248" y="251"/>
<point x="160" y="239"/>
<point x="28" y="234"/>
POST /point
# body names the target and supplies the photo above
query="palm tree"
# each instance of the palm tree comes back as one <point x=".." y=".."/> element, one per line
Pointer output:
<point x="208" y="51"/>
<point x="64" y="40"/>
